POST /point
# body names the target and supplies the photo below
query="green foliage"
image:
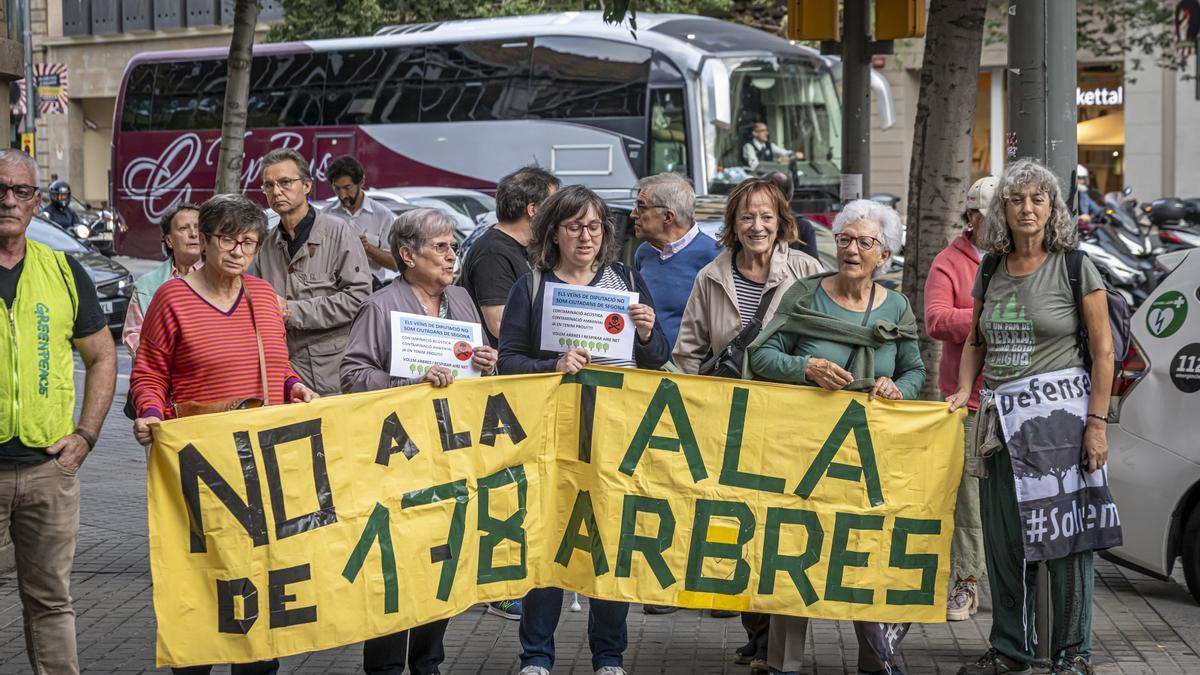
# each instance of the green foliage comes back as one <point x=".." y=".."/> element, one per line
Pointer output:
<point x="316" y="19"/>
<point x="1143" y="30"/>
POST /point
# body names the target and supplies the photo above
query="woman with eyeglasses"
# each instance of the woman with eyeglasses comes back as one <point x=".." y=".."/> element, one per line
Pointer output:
<point x="841" y="330"/>
<point x="574" y="242"/>
<point x="422" y="242"/>
<point x="214" y="340"/>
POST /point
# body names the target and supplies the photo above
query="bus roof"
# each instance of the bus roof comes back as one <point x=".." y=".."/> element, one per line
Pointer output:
<point x="685" y="38"/>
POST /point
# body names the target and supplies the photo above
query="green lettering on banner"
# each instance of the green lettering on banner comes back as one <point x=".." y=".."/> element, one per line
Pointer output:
<point x="583" y="515"/>
<point x="666" y="398"/>
<point x="902" y="559"/>
<point x="651" y="548"/>
<point x="841" y="557"/>
<point x="854" y="418"/>
<point x="731" y="475"/>
<point x="456" y="490"/>
<point x="495" y="530"/>
<point x="377" y="528"/>
<point x="795" y="565"/>
<point x="588" y="381"/>
<point x="702" y="548"/>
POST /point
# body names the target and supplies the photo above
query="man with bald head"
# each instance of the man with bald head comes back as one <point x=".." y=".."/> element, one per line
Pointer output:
<point x="53" y="311"/>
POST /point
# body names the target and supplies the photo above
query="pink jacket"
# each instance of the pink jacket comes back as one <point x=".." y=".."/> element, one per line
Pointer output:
<point x="948" y="308"/>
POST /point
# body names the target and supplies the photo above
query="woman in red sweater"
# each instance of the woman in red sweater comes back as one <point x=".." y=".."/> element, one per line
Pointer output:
<point x="200" y="340"/>
<point x="948" y="307"/>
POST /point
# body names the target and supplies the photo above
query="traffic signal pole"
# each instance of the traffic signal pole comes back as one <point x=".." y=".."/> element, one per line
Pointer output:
<point x="856" y="99"/>
<point x="1041" y="86"/>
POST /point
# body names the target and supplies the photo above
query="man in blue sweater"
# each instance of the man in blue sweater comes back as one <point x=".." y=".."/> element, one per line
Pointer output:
<point x="674" y="248"/>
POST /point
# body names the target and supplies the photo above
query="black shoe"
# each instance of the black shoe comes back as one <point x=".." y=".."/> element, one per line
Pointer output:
<point x="723" y="613"/>
<point x="995" y="663"/>
<point x="659" y="609"/>
<point x="743" y="655"/>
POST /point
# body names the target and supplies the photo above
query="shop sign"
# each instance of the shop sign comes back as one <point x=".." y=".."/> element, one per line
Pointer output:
<point x="1099" y="96"/>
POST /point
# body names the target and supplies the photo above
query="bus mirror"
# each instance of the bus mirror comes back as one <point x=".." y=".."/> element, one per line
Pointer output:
<point x="715" y="77"/>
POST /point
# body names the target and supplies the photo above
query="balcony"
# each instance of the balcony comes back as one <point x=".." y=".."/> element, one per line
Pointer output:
<point x="12" y="36"/>
<point x="109" y="17"/>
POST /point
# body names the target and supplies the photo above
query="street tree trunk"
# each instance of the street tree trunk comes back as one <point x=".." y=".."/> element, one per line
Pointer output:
<point x="941" y="157"/>
<point x="237" y="90"/>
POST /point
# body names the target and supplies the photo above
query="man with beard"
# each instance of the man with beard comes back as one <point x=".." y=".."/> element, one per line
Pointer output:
<point x="368" y="217"/>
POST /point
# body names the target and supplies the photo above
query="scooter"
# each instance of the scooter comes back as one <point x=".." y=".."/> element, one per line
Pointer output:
<point x="1126" y="279"/>
<point x="1170" y="216"/>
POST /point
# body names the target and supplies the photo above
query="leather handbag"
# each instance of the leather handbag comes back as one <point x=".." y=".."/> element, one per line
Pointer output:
<point x="728" y="361"/>
<point x="190" y="408"/>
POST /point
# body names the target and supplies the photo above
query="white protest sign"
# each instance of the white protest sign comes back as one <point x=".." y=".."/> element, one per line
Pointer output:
<point x="421" y="342"/>
<point x="595" y="319"/>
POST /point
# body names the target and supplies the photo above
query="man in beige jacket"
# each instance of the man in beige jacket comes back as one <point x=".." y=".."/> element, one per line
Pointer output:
<point x="317" y="266"/>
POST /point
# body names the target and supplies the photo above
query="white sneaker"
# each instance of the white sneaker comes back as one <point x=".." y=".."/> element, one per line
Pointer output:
<point x="611" y="670"/>
<point x="963" y="597"/>
<point x="533" y="670"/>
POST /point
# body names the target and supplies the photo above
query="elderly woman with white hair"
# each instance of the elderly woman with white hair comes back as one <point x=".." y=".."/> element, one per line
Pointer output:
<point x="841" y="330"/>
<point x="422" y="242"/>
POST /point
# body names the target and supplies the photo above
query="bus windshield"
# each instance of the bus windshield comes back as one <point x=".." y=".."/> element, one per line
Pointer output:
<point x="785" y="117"/>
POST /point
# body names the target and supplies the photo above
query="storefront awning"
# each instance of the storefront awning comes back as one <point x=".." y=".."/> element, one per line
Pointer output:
<point x="1104" y="130"/>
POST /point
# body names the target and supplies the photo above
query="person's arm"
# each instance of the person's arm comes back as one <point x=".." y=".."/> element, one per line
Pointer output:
<point x="692" y="343"/>
<point x="379" y="256"/>
<point x="131" y="333"/>
<point x="366" y="363"/>
<point x="151" y="376"/>
<point x="944" y="321"/>
<point x="910" y="368"/>
<point x="99" y="357"/>
<point x="774" y="360"/>
<point x="354" y="285"/>
<point x="492" y="316"/>
<point x="656" y="351"/>
<point x="971" y="362"/>
<point x="518" y="353"/>
<point x="1095" y="317"/>
<point x="750" y="156"/>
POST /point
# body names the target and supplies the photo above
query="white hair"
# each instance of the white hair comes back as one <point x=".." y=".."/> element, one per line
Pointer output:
<point x="13" y="155"/>
<point x="674" y="192"/>
<point x="891" y="231"/>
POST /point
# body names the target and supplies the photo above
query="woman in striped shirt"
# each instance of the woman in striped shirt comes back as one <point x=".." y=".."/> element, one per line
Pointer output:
<point x="198" y="341"/>
<point x="574" y="242"/>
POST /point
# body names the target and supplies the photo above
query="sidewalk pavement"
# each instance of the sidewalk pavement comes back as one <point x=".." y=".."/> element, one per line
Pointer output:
<point x="1141" y="625"/>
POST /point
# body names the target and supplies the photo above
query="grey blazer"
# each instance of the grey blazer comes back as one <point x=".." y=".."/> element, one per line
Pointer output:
<point x="366" y="365"/>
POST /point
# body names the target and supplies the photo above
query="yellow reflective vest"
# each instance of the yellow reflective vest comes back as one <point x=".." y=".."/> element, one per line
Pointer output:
<point x="37" y="367"/>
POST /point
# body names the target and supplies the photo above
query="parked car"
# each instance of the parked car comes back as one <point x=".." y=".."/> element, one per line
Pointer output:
<point x="114" y="283"/>
<point x="1154" y="469"/>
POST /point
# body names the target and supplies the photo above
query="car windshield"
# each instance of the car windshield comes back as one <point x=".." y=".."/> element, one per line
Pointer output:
<point x="785" y="116"/>
<point x="53" y="236"/>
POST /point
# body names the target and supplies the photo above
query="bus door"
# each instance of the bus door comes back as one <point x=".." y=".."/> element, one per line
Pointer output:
<point x="326" y="148"/>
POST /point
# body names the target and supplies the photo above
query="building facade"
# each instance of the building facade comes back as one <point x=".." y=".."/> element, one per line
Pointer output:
<point x="94" y="40"/>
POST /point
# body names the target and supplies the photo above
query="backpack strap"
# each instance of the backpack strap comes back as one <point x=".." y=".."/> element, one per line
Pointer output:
<point x="987" y="269"/>
<point x="535" y="280"/>
<point x="1075" y="278"/>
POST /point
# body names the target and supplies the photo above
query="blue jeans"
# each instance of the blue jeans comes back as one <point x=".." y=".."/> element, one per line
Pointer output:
<point x="607" y="634"/>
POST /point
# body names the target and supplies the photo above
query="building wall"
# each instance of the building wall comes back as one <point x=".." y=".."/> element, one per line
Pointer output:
<point x="1162" y="137"/>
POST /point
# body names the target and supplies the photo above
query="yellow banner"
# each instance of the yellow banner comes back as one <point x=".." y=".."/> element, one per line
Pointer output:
<point x="302" y="527"/>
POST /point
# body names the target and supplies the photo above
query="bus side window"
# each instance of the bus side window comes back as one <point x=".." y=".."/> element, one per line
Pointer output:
<point x="138" y="101"/>
<point x="373" y="86"/>
<point x="668" y="132"/>
<point x="476" y="81"/>
<point x="286" y="90"/>
<point x="586" y="78"/>
<point x="188" y="95"/>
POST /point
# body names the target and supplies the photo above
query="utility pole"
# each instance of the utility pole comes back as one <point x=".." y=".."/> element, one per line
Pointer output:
<point x="30" y="88"/>
<point x="856" y="99"/>
<point x="1041" y="86"/>
<point x="1042" y="123"/>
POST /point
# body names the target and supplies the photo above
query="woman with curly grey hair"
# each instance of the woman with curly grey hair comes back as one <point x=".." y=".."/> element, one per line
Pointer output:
<point x="1026" y="324"/>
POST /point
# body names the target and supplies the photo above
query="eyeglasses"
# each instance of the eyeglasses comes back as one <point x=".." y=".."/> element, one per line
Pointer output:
<point x="442" y="248"/>
<point x="227" y="244"/>
<point x="22" y="192"/>
<point x="865" y="243"/>
<point x="282" y="184"/>
<point x="574" y="228"/>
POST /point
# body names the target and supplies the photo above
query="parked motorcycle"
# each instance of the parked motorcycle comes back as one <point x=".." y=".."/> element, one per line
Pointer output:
<point x="1170" y="216"/>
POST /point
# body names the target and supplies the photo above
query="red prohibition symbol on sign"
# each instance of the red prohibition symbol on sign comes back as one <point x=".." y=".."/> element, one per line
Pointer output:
<point x="462" y="350"/>
<point x="614" y="323"/>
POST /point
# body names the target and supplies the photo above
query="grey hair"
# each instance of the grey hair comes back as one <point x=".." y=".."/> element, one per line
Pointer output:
<point x="891" y="231"/>
<point x="14" y="155"/>
<point x="231" y="214"/>
<point x="1062" y="233"/>
<point x="285" y="154"/>
<point x="674" y="192"/>
<point x="414" y="228"/>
